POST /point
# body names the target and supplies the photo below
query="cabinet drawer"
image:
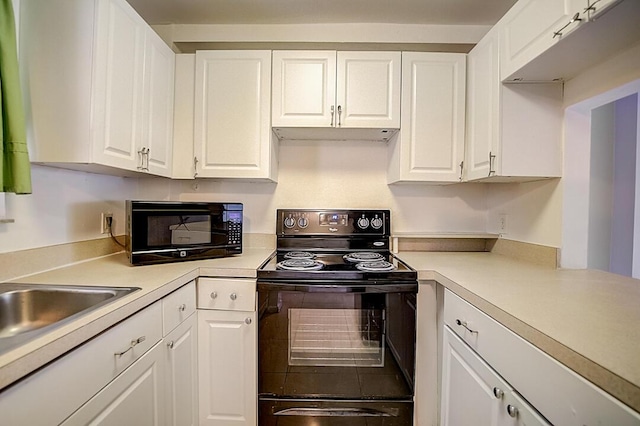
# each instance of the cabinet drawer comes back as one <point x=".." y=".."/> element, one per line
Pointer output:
<point x="81" y="373"/>
<point x="177" y="307"/>
<point x="227" y="294"/>
<point x="561" y="395"/>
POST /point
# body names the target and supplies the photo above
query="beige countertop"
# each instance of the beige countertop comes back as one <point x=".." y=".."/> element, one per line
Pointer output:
<point x="587" y="320"/>
<point x="155" y="282"/>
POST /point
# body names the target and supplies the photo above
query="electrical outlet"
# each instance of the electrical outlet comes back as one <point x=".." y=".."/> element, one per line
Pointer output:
<point x="104" y="225"/>
<point x="502" y="224"/>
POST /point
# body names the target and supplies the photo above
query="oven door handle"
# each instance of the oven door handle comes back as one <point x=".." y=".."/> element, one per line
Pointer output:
<point x="336" y="412"/>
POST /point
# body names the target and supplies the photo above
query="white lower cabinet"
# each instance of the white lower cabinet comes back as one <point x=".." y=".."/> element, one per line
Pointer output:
<point x="227" y="352"/>
<point x="141" y="371"/>
<point x="473" y="393"/>
<point x="181" y="356"/>
<point x="136" y="397"/>
<point x="488" y="372"/>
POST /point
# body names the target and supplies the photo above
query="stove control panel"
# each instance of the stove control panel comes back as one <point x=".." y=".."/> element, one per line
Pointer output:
<point x="310" y="222"/>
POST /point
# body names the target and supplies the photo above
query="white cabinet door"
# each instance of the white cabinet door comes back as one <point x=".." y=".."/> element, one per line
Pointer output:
<point x="118" y="85"/>
<point x="227" y="367"/>
<point x="474" y="394"/>
<point x="232" y="131"/>
<point x="368" y="87"/>
<point x="336" y="89"/>
<point x="181" y="352"/>
<point x="531" y="27"/>
<point x="430" y="146"/>
<point x="483" y="112"/>
<point x="111" y="78"/>
<point x="158" y="105"/>
<point x="135" y="397"/>
<point x="514" y="130"/>
<point x="304" y="88"/>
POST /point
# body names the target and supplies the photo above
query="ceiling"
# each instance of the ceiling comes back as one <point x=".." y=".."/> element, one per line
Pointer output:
<point x="425" y="12"/>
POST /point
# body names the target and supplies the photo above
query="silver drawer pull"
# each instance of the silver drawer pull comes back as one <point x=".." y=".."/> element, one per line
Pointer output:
<point x="512" y="411"/>
<point x="214" y="294"/>
<point x="247" y="320"/>
<point x="498" y="393"/>
<point x="233" y="296"/>
<point x="465" y="325"/>
<point x="170" y="344"/>
<point x="182" y="307"/>
<point x="133" y="343"/>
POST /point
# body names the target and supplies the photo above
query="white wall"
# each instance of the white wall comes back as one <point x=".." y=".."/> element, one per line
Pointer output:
<point x="533" y="210"/>
<point x="339" y="174"/>
<point x="65" y="206"/>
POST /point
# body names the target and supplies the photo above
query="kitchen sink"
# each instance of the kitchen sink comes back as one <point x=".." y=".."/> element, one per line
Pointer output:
<point x="30" y="310"/>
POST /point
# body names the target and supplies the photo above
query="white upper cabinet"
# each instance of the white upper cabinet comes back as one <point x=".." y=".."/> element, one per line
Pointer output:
<point x="368" y="89"/>
<point x="545" y="40"/>
<point x="430" y="145"/>
<point x="159" y="90"/>
<point x="304" y="88"/>
<point x="99" y="87"/>
<point x="483" y="110"/>
<point x="232" y="123"/>
<point x="531" y="27"/>
<point x="513" y="131"/>
<point x="328" y="89"/>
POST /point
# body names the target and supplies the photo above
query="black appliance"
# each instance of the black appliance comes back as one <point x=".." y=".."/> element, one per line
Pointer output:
<point x="336" y="332"/>
<point x="170" y="231"/>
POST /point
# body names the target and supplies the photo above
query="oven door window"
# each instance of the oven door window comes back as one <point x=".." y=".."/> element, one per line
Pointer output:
<point x="336" y="337"/>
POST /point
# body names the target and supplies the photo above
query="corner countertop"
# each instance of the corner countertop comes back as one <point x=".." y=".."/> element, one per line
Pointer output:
<point x="585" y="319"/>
<point x="155" y="282"/>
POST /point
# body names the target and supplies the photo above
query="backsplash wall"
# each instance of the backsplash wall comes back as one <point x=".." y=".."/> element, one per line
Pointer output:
<point x="340" y="174"/>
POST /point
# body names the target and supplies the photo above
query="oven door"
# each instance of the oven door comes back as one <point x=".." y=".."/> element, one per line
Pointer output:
<point x="329" y="341"/>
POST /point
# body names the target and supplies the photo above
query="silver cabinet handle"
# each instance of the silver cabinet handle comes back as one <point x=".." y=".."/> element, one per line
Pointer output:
<point x="141" y="154"/>
<point x="170" y="344"/>
<point x="233" y="296"/>
<point x="575" y="18"/>
<point x="146" y="154"/>
<point x="332" y="111"/>
<point x="491" y="158"/>
<point x="195" y="167"/>
<point x="182" y="307"/>
<point x="461" y="169"/>
<point x="466" y="326"/>
<point x="339" y="116"/>
<point x="512" y="411"/>
<point x="498" y="393"/>
<point x="214" y="294"/>
<point x="133" y="343"/>
<point x="247" y="320"/>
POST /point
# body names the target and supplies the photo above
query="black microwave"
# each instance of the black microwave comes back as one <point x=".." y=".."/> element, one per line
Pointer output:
<point x="166" y="231"/>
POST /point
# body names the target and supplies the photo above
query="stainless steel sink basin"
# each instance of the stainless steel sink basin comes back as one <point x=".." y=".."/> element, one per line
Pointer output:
<point x="29" y="310"/>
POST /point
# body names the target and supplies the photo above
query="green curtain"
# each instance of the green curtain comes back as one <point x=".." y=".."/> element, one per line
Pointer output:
<point x="15" y="169"/>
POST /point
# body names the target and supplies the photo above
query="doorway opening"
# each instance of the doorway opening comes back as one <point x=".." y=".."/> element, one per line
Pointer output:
<point x="601" y="210"/>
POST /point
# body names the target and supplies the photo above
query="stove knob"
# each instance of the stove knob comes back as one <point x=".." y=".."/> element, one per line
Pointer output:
<point x="363" y="223"/>
<point x="376" y="223"/>
<point x="303" y="222"/>
<point x="289" y="222"/>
